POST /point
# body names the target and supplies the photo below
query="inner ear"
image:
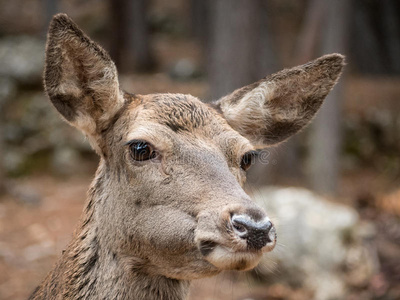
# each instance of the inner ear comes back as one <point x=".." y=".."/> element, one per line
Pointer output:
<point x="271" y="110"/>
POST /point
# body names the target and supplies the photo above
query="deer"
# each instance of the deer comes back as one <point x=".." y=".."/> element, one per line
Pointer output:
<point x="167" y="203"/>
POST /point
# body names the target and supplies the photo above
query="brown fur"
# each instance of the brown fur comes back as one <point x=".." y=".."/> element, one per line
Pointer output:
<point x="149" y="227"/>
<point x="286" y="102"/>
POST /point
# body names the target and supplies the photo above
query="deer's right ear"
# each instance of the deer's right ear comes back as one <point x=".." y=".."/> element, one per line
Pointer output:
<point x="80" y="78"/>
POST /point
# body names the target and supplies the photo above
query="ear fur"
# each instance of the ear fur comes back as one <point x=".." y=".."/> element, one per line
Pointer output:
<point x="80" y="78"/>
<point x="274" y="108"/>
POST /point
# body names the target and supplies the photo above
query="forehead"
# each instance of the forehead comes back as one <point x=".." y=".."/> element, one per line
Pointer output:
<point x="180" y="112"/>
<point x="165" y="115"/>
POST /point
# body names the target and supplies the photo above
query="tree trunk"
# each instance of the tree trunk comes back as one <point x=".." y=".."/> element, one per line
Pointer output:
<point x="2" y="175"/>
<point x="231" y="45"/>
<point x="200" y="20"/>
<point x="325" y="145"/>
<point x="50" y="8"/>
<point x="138" y="36"/>
<point x="391" y="33"/>
<point x="307" y="40"/>
<point x="375" y="42"/>
<point x="365" y="46"/>
<point x="117" y="26"/>
<point x="7" y="92"/>
<point x="130" y="40"/>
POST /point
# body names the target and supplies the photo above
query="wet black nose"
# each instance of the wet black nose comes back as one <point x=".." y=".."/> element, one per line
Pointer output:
<point x="256" y="233"/>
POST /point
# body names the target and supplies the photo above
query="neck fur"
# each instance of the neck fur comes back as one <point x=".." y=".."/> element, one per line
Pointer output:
<point x="89" y="269"/>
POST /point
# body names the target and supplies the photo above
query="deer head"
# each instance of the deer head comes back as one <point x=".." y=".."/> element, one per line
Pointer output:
<point x="168" y="198"/>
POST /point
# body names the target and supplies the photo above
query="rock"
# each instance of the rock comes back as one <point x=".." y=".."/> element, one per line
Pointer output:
<point x="183" y="69"/>
<point x="40" y="250"/>
<point x="6" y="254"/>
<point x="12" y="160"/>
<point x="320" y="243"/>
<point x="65" y="160"/>
<point x="22" y="58"/>
<point x="35" y="136"/>
<point x="24" y="194"/>
<point x="8" y="89"/>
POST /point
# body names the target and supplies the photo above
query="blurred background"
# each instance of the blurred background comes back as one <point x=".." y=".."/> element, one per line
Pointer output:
<point x="334" y="189"/>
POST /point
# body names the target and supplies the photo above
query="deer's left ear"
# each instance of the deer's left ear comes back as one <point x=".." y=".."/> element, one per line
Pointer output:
<point x="276" y="107"/>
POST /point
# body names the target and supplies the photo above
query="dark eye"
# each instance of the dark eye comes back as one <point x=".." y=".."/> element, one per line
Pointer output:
<point x="247" y="160"/>
<point x="141" y="150"/>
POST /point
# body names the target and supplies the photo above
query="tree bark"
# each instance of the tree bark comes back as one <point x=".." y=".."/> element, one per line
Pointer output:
<point x="139" y="37"/>
<point x="325" y="145"/>
<point x="2" y="175"/>
<point x="307" y="40"/>
<point x="130" y="39"/>
<point x="365" y="46"/>
<point x="50" y="9"/>
<point x="231" y="45"/>
<point x="200" y="20"/>
<point x="391" y="33"/>
<point x="240" y="49"/>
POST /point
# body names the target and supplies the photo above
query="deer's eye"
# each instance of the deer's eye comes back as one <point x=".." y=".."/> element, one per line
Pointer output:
<point x="141" y="150"/>
<point x="247" y="160"/>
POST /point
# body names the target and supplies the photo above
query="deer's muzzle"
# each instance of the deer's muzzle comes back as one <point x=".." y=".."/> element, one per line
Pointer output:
<point x="236" y="238"/>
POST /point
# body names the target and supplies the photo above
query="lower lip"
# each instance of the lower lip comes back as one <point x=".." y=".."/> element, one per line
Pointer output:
<point x="226" y="259"/>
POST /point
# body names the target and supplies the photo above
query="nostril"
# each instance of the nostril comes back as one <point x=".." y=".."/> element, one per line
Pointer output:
<point x="239" y="224"/>
<point x="239" y="227"/>
<point x="255" y="233"/>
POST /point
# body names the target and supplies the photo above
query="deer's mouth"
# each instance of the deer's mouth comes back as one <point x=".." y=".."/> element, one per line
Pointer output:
<point x="225" y="258"/>
<point x="239" y="256"/>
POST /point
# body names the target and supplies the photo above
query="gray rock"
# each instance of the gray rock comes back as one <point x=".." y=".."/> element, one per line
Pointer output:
<point x="39" y="250"/>
<point x="8" y="89"/>
<point x="183" y="69"/>
<point x="65" y="160"/>
<point x="33" y="128"/>
<point x="320" y="244"/>
<point x="23" y="193"/>
<point x="12" y="160"/>
<point x="22" y="58"/>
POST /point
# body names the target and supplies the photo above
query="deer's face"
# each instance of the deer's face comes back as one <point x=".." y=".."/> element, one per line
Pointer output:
<point x="177" y="170"/>
<point x="169" y="186"/>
